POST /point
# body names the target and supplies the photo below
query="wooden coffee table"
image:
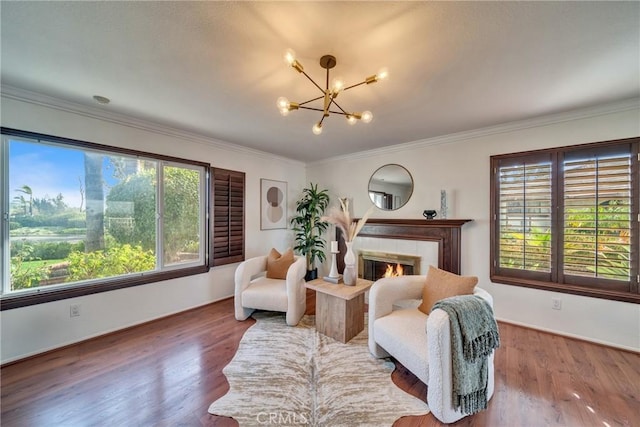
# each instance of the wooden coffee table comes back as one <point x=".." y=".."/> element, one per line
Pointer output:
<point x="339" y="308"/>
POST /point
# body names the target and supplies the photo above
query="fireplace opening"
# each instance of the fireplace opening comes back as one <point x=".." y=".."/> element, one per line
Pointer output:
<point x="375" y="265"/>
<point x="394" y="270"/>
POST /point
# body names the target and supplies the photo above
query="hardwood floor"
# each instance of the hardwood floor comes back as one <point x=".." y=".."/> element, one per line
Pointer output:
<point x="167" y="372"/>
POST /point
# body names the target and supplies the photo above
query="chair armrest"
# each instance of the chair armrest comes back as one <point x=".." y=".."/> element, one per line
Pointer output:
<point x="244" y="272"/>
<point x="383" y="294"/>
<point x="296" y="273"/>
<point x="484" y="295"/>
<point x="386" y="291"/>
<point x="296" y="291"/>
<point x="247" y="269"/>
<point x="439" y="390"/>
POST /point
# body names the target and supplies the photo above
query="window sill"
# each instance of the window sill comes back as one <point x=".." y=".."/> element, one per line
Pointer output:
<point x="569" y="289"/>
<point x="41" y="296"/>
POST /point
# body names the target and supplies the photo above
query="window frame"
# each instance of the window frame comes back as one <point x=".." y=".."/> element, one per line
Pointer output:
<point x="42" y="295"/>
<point x="556" y="281"/>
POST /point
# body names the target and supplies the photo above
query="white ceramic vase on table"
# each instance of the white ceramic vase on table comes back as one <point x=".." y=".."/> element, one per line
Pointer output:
<point x="350" y="274"/>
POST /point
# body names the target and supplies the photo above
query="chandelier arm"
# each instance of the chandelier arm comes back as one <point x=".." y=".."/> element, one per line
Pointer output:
<point x="341" y="109"/>
<point x="312" y="81"/>
<point x="355" y="85"/>
<point x="311" y="108"/>
<point x="322" y="111"/>
<point x="311" y="100"/>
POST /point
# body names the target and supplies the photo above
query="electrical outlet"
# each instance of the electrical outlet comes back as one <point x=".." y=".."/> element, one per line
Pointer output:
<point x="556" y="303"/>
<point x="74" y="310"/>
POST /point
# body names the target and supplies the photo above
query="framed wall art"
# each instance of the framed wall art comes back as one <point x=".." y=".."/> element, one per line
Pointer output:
<point x="273" y="204"/>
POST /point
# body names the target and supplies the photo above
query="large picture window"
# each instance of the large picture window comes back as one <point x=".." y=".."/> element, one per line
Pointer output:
<point x="82" y="218"/>
<point x="566" y="219"/>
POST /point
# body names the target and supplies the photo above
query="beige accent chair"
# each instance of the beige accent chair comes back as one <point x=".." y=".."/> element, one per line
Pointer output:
<point x="421" y="343"/>
<point x="253" y="290"/>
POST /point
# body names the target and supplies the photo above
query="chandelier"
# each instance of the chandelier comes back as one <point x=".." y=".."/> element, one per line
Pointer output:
<point x="329" y="93"/>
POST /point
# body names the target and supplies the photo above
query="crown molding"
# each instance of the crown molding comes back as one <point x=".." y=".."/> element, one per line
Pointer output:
<point x="583" y="113"/>
<point x="36" y="98"/>
<point x="23" y="95"/>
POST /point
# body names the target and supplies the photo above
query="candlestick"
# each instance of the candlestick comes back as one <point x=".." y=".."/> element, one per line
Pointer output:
<point x="334" y="266"/>
<point x="334" y="247"/>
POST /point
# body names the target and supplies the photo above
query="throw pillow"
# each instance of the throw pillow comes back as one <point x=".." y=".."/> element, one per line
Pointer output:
<point x="443" y="284"/>
<point x="278" y="264"/>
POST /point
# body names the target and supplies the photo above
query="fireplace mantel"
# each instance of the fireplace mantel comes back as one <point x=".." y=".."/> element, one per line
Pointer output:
<point x="446" y="232"/>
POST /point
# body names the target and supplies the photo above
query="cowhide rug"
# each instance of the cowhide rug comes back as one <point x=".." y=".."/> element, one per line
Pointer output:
<point x="283" y="375"/>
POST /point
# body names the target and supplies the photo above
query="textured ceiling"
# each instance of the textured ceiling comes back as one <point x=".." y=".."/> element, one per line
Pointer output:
<point x="216" y="68"/>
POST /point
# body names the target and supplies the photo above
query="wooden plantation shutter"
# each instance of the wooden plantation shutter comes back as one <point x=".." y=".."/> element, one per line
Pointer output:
<point x="567" y="219"/>
<point x="227" y="230"/>
<point x="524" y="216"/>
<point x="597" y="217"/>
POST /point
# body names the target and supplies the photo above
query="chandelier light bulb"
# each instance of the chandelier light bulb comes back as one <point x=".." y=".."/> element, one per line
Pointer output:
<point x="351" y="119"/>
<point x="282" y="103"/>
<point x="382" y="74"/>
<point x="367" y="116"/>
<point x="337" y="84"/>
<point x="290" y="56"/>
<point x="317" y="129"/>
<point x="284" y="112"/>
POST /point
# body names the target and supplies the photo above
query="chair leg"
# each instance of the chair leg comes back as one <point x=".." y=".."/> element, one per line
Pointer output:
<point x="243" y="313"/>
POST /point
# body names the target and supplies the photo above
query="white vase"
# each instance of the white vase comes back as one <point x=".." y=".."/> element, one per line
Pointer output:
<point x="444" y="207"/>
<point x="350" y="274"/>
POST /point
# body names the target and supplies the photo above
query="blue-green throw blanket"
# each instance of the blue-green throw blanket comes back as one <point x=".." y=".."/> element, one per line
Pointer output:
<point x="474" y="335"/>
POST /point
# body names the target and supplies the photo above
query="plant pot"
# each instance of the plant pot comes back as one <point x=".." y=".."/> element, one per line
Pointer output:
<point x="311" y="275"/>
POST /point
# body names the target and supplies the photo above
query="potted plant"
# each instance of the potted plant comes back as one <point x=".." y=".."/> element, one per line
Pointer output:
<point x="309" y="226"/>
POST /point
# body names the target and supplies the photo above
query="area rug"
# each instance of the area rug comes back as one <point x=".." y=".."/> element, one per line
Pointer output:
<point x="286" y="376"/>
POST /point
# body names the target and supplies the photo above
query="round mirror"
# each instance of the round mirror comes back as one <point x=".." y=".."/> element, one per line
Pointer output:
<point x="390" y="187"/>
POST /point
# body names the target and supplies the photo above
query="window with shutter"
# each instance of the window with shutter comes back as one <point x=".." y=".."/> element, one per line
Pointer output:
<point x="227" y="231"/>
<point x="566" y="219"/>
<point x="525" y="216"/>
<point x="597" y="215"/>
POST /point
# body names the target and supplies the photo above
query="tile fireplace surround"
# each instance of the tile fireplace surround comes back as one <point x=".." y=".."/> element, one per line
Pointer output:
<point x="447" y="233"/>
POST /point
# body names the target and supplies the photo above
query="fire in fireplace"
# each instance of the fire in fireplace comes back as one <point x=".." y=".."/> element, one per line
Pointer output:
<point x="394" y="271"/>
<point x="374" y="265"/>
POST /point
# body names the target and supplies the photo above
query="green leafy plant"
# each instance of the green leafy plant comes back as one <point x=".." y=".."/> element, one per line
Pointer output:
<point x="596" y="243"/>
<point x="115" y="261"/>
<point x="309" y="226"/>
<point x="46" y="250"/>
<point x="23" y="275"/>
<point x="131" y="211"/>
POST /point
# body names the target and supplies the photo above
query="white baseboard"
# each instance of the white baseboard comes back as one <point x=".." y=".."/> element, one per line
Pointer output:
<point x="565" y="334"/>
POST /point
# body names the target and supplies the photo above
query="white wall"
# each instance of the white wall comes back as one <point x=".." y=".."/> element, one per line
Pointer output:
<point x="30" y="330"/>
<point x="460" y="164"/>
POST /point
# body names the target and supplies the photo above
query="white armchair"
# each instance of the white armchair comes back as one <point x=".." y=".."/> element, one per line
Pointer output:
<point x="253" y="290"/>
<point x="421" y="343"/>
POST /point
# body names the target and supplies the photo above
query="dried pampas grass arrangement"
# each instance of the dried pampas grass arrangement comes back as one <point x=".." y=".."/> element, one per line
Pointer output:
<point x="342" y="219"/>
